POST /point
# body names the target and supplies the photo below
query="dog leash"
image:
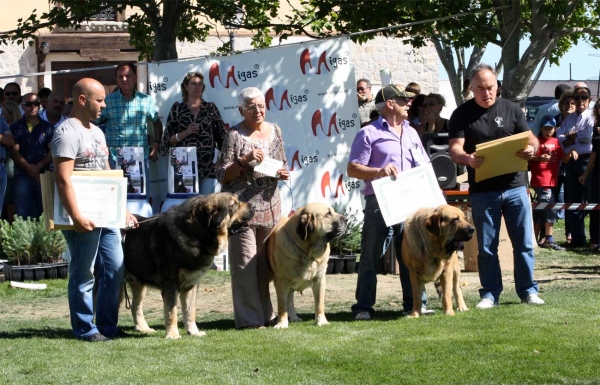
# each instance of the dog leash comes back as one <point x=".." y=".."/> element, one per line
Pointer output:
<point x="139" y="222"/>
<point x="127" y="301"/>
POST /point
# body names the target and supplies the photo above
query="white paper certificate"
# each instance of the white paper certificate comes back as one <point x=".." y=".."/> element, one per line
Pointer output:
<point x="269" y="167"/>
<point x="411" y="190"/>
<point x="103" y="200"/>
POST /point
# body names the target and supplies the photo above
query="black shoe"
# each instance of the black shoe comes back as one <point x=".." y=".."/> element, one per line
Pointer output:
<point x="552" y="245"/>
<point x="96" y="337"/>
<point x="121" y="334"/>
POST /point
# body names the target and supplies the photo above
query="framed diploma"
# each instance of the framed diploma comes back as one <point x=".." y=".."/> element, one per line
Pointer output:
<point x="411" y="190"/>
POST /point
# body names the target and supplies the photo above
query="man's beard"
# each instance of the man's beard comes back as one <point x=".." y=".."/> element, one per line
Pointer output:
<point x="362" y="98"/>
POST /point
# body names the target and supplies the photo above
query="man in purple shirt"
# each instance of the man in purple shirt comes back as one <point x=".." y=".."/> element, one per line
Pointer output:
<point x="386" y="147"/>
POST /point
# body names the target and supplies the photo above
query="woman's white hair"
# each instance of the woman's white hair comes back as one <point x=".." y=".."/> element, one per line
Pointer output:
<point x="248" y="94"/>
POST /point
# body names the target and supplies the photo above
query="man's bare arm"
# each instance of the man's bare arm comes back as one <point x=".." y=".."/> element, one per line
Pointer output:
<point x="459" y="156"/>
<point x="360" y="171"/>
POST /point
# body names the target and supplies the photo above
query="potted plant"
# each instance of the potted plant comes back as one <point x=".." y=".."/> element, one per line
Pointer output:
<point x="344" y="249"/>
<point x="33" y="253"/>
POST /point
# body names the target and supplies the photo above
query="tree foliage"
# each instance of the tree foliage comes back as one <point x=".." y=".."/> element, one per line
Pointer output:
<point x="551" y="28"/>
<point x="158" y="25"/>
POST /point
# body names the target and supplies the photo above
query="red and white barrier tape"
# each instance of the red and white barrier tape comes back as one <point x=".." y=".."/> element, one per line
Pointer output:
<point x="566" y="206"/>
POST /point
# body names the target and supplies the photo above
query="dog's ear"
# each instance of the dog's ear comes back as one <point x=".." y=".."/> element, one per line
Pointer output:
<point x="433" y="224"/>
<point x="305" y="225"/>
<point x="216" y="216"/>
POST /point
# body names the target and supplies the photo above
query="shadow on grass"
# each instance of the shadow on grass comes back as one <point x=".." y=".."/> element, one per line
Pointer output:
<point x="57" y="333"/>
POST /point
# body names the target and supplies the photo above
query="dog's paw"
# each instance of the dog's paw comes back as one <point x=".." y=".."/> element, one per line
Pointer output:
<point x="464" y="308"/>
<point x="146" y="330"/>
<point x="197" y="333"/>
<point x="173" y="336"/>
<point x="281" y="325"/>
<point x="413" y="314"/>
<point x="294" y="319"/>
<point x="320" y="321"/>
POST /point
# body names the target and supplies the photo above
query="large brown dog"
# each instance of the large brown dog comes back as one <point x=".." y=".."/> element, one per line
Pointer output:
<point x="431" y="238"/>
<point x="173" y="251"/>
<point x="298" y="256"/>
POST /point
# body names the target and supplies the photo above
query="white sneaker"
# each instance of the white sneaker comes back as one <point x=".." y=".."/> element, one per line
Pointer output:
<point x="485" y="303"/>
<point x="363" y="316"/>
<point x="533" y="299"/>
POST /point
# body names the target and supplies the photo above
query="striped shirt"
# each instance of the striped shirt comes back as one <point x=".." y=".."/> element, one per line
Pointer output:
<point x="583" y="125"/>
<point x="126" y="121"/>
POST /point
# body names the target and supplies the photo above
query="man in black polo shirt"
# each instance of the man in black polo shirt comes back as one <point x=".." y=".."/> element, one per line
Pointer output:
<point x="482" y="119"/>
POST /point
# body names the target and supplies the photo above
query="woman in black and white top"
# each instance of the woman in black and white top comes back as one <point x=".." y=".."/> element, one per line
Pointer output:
<point x="197" y="123"/>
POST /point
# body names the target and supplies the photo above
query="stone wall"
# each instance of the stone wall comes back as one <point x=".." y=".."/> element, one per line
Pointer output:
<point x="18" y="60"/>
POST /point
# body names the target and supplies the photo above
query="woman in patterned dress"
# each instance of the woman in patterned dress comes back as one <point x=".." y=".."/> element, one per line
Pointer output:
<point x="247" y="144"/>
<point x="197" y="123"/>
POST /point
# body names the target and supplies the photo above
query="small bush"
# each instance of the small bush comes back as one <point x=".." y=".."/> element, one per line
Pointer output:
<point x="349" y="241"/>
<point x="26" y="242"/>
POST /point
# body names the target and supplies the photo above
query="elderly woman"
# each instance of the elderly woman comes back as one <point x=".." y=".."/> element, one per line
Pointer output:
<point x="197" y="123"/>
<point x="248" y="143"/>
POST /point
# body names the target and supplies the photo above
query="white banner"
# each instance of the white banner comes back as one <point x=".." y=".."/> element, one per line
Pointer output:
<point x="310" y="92"/>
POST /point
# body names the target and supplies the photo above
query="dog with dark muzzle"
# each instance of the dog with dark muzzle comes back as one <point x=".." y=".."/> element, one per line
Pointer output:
<point x="429" y="244"/>
<point x="298" y="256"/>
<point x="173" y="250"/>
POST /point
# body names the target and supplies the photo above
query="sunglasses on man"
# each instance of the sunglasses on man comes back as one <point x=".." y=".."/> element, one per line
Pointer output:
<point x="34" y="103"/>
<point x="11" y="93"/>
<point x="581" y="97"/>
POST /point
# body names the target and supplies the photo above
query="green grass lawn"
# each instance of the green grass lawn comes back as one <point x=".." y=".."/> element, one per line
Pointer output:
<point x="558" y="343"/>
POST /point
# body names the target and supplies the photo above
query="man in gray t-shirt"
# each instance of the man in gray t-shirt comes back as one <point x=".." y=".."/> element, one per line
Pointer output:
<point x="87" y="147"/>
<point x="80" y="145"/>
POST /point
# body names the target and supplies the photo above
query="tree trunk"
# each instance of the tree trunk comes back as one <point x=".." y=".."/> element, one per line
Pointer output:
<point x="166" y="46"/>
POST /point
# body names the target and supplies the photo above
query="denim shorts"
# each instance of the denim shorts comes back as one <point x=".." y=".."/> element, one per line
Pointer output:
<point x="545" y="195"/>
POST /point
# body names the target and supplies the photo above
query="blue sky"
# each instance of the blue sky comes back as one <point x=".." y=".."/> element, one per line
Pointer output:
<point x="583" y="65"/>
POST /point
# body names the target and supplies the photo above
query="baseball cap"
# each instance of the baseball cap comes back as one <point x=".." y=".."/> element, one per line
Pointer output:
<point x="390" y="91"/>
<point x="548" y="120"/>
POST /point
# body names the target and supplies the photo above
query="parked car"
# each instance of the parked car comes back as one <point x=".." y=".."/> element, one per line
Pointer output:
<point x="533" y="104"/>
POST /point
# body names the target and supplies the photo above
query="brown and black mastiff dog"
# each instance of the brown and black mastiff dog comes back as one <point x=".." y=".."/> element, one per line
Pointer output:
<point x="174" y="250"/>
<point x="298" y="256"/>
<point x="431" y="238"/>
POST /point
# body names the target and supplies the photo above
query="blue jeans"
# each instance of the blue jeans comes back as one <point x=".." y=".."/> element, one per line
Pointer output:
<point x="28" y="196"/>
<point x="376" y="238"/>
<point x="105" y="245"/>
<point x="488" y="208"/>
<point x="2" y="185"/>
<point x="577" y="193"/>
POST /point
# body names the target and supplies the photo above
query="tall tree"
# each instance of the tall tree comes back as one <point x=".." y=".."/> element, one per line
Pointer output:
<point x="550" y="28"/>
<point x="159" y="24"/>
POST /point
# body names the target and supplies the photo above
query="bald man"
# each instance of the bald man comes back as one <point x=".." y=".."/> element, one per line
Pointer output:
<point x="80" y="145"/>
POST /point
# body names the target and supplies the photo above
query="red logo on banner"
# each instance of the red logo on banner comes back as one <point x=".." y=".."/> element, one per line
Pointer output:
<point x="318" y="127"/>
<point x="295" y="160"/>
<point x="306" y="61"/>
<point x="326" y="182"/>
<point x="278" y="96"/>
<point x="215" y="73"/>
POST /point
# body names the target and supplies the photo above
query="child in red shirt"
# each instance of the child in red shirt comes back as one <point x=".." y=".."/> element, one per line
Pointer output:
<point x="544" y="174"/>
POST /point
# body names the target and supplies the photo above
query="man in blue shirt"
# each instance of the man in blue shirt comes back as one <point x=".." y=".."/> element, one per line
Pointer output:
<point x="6" y="141"/>
<point x="31" y="153"/>
<point x="126" y="116"/>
